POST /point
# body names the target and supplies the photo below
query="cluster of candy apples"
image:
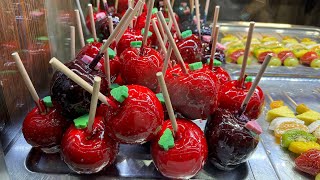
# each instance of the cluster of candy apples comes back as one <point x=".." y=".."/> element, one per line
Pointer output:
<point x="131" y="112"/>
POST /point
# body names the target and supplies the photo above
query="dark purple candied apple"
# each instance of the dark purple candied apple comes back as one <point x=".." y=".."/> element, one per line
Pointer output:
<point x="102" y="26"/>
<point x="72" y="98"/>
<point x="218" y="55"/>
<point x="229" y="142"/>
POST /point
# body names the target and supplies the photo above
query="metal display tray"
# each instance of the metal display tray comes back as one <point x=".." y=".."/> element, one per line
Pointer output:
<point x="269" y="161"/>
<point x="240" y="29"/>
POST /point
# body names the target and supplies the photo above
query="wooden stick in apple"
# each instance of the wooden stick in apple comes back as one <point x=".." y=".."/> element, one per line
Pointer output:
<point x="93" y="26"/>
<point x="132" y="15"/>
<point x="246" y="52"/>
<point x="160" y="41"/>
<point x="107" y="66"/>
<point x="198" y="18"/>
<point x="172" y="3"/>
<point x="191" y="6"/>
<point x="176" y="25"/>
<point x="73" y="76"/>
<point x="98" y="5"/>
<point x="94" y="102"/>
<point x="166" y="62"/>
<point x="130" y="6"/>
<point x="79" y="27"/>
<point x="111" y="38"/>
<point x="28" y="82"/>
<point x="206" y="9"/>
<point x="214" y="45"/>
<point x="72" y="42"/>
<point x="161" y="29"/>
<point x="172" y="42"/>
<point x="254" y="84"/>
<point x="215" y="18"/>
<point x="170" y="23"/>
<point x="167" y="102"/>
<point x="116" y="3"/>
<point x="147" y="25"/>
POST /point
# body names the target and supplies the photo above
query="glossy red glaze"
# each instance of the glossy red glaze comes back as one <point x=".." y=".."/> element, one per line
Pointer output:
<point x="232" y="96"/>
<point x="87" y="152"/>
<point x="308" y="57"/>
<point x="190" y="49"/>
<point x="229" y="142"/>
<point x="43" y="130"/>
<point x="222" y="75"/>
<point x="263" y="55"/>
<point x="127" y="37"/>
<point x="138" y="117"/>
<point x="283" y="55"/>
<point x="140" y="65"/>
<point x="92" y="50"/>
<point x="187" y="157"/>
<point x="194" y="95"/>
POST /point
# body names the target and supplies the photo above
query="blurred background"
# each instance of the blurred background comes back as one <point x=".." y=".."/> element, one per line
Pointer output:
<point x="40" y="29"/>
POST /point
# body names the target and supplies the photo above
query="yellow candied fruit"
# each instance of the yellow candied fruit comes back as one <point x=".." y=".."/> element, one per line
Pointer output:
<point x="283" y="127"/>
<point x="276" y="104"/>
<point x="318" y="177"/>
<point x="301" y="147"/>
<point x="302" y="108"/>
<point x="306" y="40"/>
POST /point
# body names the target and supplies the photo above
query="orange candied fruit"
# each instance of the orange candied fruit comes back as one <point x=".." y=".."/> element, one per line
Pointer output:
<point x="283" y="127"/>
<point x="276" y="104"/>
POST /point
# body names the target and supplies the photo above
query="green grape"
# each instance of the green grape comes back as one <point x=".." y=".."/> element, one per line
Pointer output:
<point x="315" y="63"/>
<point x="275" y="62"/>
<point x="240" y="60"/>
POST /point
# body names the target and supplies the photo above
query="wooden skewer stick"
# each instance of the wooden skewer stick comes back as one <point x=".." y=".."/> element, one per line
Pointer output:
<point x="191" y="6"/>
<point x="172" y="42"/>
<point x="107" y="66"/>
<point x="93" y="26"/>
<point x="132" y="14"/>
<point x="163" y="34"/>
<point x="130" y="6"/>
<point x="79" y="27"/>
<point x="116" y="30"/>
<point x="254" y="84"/>
<point x="215" y="18"/>
<point x="246" y="52"/>
<point x="156" y="30"/>
<point x="167" y="60"/>
<point x="83" y="21"/>
<point x="73" y="42"/>
<point x="27" y="81"/>
<point x="110" y="24"/>
<point x="167" y="102"/>
<point x="147" y="26"/>
<point x="172" y="3"/>
<point x="98" y="5"/>
<point x="165" y="39"/>
<point x="214" y="45"/>
<point x="94" y="102"/>
<point x="116" y="6"/>
<point x="173" y="19"/>
<point x="206" y="9"/>
<point x="290" y="99"/>
<point x="77" y="79"/>
<point x="269" y="97"/>
<point x="198" y="18"/>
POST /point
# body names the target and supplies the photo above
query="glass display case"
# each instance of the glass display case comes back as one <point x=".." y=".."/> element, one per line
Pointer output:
<point x="40" y="30"/>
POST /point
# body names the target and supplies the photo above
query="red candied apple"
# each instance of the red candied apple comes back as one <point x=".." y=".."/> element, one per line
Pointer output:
<point x="140" y="64"/>
<point x="222" y="75"/>
<point x="233" y="93"/>
<point x="194" y="95"/>
<point x="44" y="130"/>
<point x="128" y="36"/>
<point x="86" y="152"/>
<point x="74" y="101"/>
<point x="138" y="117"/>
<point x="263" y="55"/>
<point x="190" y="47"/>
<point x="230" y="142"/>
<point x="141" y="21"/>
<point x="188" y="154"/>
<point x="93" y="49"/>
<point x="308" y="57"/>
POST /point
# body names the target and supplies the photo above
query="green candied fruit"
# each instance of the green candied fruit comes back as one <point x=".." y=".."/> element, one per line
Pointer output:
<point x="160" y="98"/>
<point x="240" y="60"/>
<point x="81" y="122"/>
<point x="195" y="66"/>
<point x="296" y="135"/>
<point x="136" y="44"/>
<point x="47" y="101"/>
<point x="291" y="62"/>
<point x="315" y="63"/>
<point x="186" y="34"/>
<point x="275" y="62"/>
